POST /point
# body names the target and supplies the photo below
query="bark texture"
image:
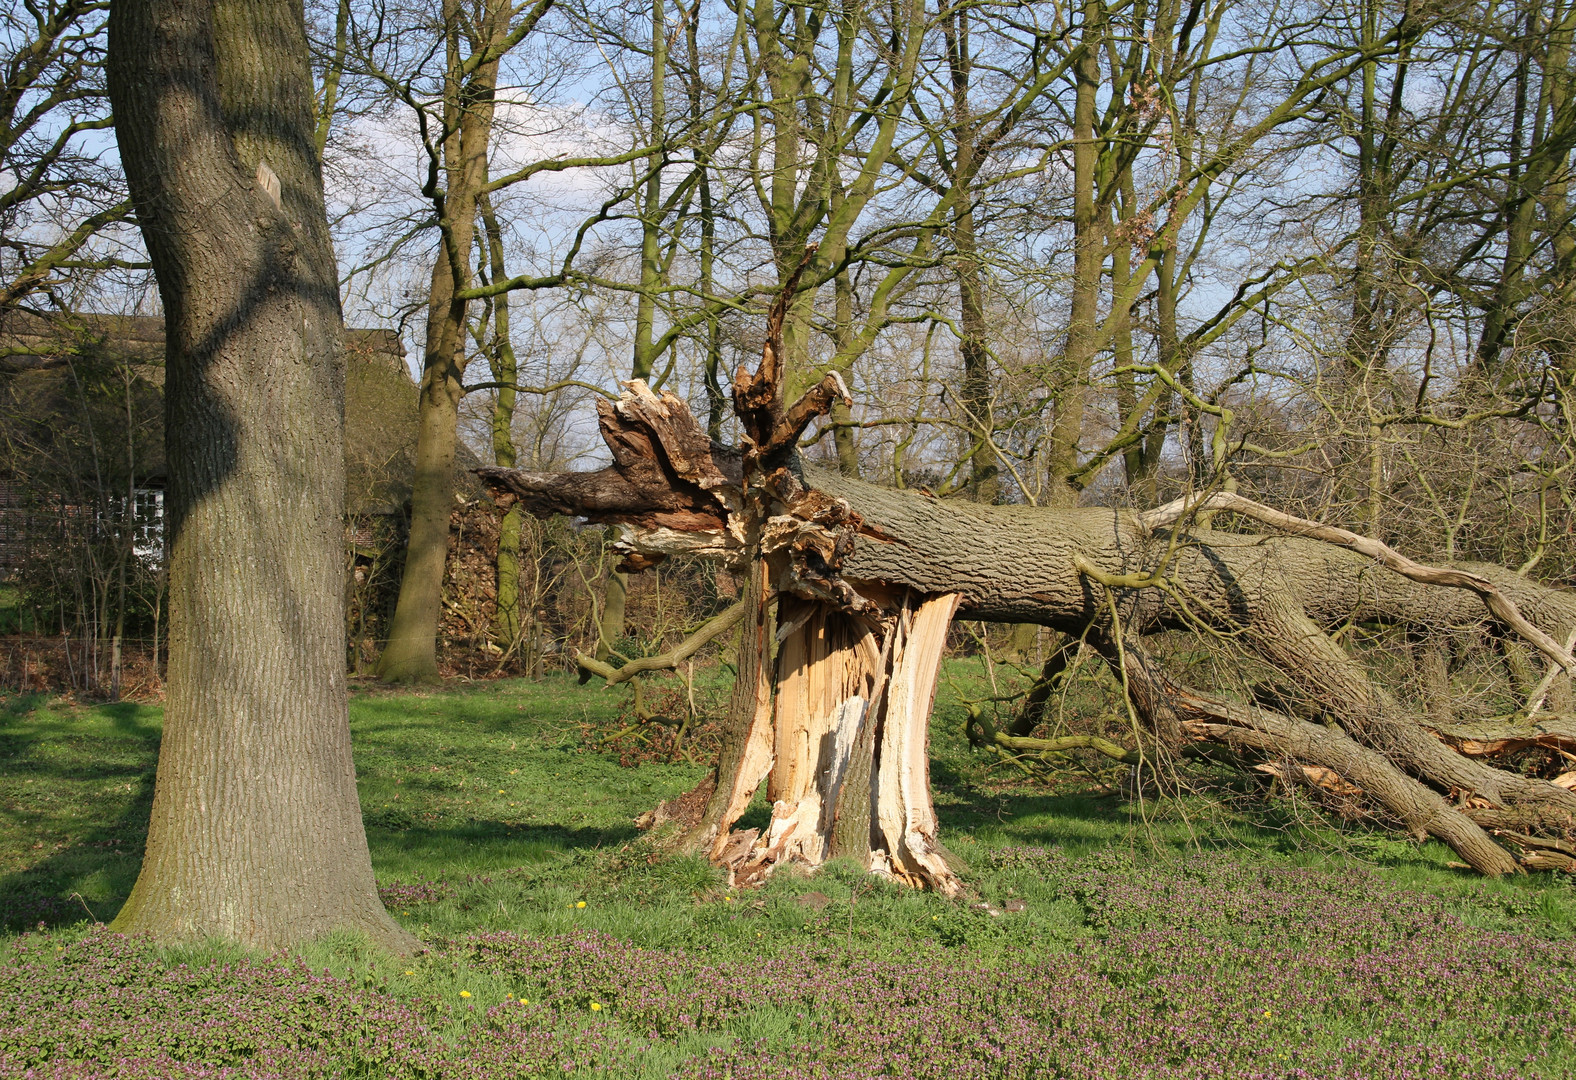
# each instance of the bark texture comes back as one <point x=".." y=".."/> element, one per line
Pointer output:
<point x="256" y="831"/>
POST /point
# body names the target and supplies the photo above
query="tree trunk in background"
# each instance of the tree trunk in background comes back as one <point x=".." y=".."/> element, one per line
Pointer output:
<point x="842" y="340"/>
<point x="412" y="651"/>
<point x="975" y="394"/>
<point x="1133" y="464"/>
<point x="984" y="483"/>
<point x="504" y="371"/>
<point x="1168" y="351"/>
<point x="610" y="630"/>
<point x="615" y="595"/>
<point x="256" y="832"/>
<point x="1072" y="376"/>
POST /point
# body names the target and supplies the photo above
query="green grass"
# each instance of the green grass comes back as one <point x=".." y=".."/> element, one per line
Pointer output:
<point x="492" y="808"/>
<point x="498" y="792"/>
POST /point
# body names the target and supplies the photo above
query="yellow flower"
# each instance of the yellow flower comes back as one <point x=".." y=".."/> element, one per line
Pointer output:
<point x="523" y="1001"/>
<point x="465" y="993"/>
<point x="596" y="1006"/>
<point x="410" y="973"/>
<point x="727" y="899"/>
<point x="581" y="904"/>
<point x="500" y="791"/>
<point x="1266" y="1014"/>
<point x="513" y="771"/>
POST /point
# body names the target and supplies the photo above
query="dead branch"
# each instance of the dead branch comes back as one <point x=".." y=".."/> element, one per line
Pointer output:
<point x="709" y="631"/>
<point x="1501" y="606"/>
<point x="1061" y="744"/>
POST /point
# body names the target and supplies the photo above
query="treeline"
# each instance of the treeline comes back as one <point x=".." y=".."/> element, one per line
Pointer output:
<point x="1108" y="252"/>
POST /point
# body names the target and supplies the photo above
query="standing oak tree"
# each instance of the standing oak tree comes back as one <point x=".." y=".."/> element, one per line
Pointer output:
<point x="256" y="833"/>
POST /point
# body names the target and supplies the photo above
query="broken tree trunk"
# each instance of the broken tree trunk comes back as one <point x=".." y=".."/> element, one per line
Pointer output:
<point x="851" y="589"/>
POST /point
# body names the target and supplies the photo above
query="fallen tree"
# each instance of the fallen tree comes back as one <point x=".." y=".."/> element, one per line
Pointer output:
<point x="851" y="588"/>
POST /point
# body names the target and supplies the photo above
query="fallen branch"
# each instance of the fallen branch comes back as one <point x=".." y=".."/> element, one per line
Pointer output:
<point x="1501" y="606"/>
<point x="713" y="628"/>
<point x="1115" y="751"/>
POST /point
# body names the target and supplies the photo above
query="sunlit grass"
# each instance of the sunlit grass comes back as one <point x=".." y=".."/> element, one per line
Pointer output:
<point x="499" y="791"/>
<point x="491" y="810"/>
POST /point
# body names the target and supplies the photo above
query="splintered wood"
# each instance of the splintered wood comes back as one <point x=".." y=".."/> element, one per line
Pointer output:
<point x="904" y="817"/>
<point x="840" y="676"/>
<point x="836" y="677"/>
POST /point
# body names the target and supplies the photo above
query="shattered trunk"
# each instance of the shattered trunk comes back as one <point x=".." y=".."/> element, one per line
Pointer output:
<point x="839" y="734"/>
<point x="832" y="703"/>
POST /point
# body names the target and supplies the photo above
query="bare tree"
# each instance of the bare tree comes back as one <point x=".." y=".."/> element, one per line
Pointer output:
<point x="60" y="193"/>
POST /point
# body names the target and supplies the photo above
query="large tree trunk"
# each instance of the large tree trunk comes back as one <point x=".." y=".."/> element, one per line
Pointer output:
<point x="256" y="832"/>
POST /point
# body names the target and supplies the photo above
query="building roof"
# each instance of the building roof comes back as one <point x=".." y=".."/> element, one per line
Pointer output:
<point x="43" y="361"/>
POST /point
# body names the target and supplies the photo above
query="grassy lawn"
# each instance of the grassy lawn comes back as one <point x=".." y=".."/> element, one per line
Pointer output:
<point x="1172" y="939"/>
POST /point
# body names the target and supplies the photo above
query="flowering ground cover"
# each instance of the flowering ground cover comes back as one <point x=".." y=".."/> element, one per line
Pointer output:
<point x="1171" y="940"/>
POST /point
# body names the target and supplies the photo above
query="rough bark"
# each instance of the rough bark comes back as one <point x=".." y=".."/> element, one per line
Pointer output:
<point x="1072" y="375"/>
<point x="615" y="599"/>
<point x="505" y="369"/>
<point x="256" y="831"/>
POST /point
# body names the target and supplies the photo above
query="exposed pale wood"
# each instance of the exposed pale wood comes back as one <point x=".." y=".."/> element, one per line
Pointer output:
<point x="724" y="794"/>
<point x="1313" y="775"/>
<point x="1487" y="738"/>
<point x="824" y="670"/>
<point x="904" y="817"/>
<point x="755" y="763"/>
